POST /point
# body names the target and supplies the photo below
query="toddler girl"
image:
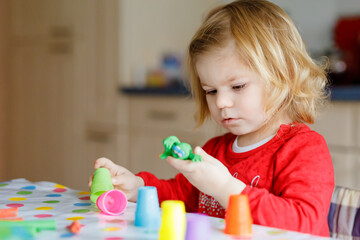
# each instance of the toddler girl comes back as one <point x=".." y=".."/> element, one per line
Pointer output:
<point x="251" y="73"/>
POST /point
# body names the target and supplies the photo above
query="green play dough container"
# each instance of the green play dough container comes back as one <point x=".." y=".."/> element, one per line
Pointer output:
<point x="101" y="183"/>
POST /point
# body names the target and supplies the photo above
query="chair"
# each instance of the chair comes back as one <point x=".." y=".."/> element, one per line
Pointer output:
<point x="344" y="213"/>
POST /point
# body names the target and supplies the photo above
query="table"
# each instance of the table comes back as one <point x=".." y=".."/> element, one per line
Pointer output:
<point x="48" y="200"/>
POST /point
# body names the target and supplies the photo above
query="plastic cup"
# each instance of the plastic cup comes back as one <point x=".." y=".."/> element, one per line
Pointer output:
<point x="197" y="227"/>
<point x="173" y="221"/>
<point x="147" y="212"/>
<point x="238" y="220"/>
<point x="112" y="202"/>
<point x="101" y="183"/>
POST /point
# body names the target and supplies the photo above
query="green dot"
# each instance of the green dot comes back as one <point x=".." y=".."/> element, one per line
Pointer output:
<point x="54" y="201"/>
<point x="81" y="211"/>
<point x="24" y="192"/>
<point x="4" y="184"/>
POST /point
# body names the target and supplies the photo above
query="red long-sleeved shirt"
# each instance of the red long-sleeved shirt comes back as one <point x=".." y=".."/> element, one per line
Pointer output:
<point x="289" y="179"/>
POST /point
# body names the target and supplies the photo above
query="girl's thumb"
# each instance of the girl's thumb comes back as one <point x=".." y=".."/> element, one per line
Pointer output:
<point x="116" y="180"/>
<point x="198" y="150"/>
<point x="205" y="156"/>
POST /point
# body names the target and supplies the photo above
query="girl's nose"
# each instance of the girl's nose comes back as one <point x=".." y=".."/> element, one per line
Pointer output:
<point x="224" y="100"/>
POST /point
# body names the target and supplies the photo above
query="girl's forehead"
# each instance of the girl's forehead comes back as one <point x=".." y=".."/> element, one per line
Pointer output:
<point x="220" y="51"/>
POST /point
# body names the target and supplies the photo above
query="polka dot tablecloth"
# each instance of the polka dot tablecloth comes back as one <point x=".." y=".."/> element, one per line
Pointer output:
<point x="47" y="200"/>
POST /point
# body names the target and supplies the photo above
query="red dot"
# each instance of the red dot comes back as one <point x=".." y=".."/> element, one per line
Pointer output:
<point x="85" y="198"/>
<point x="43" y="215"/>
<point x="13" y="205"/>
<point x="59" y="190"/>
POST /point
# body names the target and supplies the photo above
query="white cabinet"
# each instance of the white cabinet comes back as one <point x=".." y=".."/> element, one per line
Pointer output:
<point x="63" y="97"/>
<point x="340" y="126"/>
<point x="151" y="120"/>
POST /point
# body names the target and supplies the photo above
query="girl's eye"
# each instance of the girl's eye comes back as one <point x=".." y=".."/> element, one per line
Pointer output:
<point x="239" y="87"/>
<point x="210" y="92"/>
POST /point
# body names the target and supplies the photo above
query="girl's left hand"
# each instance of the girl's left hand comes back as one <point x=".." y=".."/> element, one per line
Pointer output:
<point x="210" y="176"/>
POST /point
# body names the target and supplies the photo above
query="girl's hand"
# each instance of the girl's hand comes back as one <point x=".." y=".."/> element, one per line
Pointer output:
<point x="122" y="178"/>
<point x="209" y="176"/>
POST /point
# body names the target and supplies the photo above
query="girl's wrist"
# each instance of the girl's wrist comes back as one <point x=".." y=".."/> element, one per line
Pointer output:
<point x="232" y="186"/>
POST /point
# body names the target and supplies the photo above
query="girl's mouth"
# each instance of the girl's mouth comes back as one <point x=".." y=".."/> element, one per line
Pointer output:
<point x="229" y="121"/>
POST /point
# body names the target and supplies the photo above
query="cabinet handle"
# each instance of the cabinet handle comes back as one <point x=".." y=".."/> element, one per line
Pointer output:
<point x="97" y="136"/>
<point x="161" y="115"/>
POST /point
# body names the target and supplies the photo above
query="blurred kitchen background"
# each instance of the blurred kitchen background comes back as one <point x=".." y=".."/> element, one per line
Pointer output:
<point x="85" y="79"/>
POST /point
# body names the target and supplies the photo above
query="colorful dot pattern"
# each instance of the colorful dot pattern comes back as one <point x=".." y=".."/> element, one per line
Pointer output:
<point x="46" y="201"/>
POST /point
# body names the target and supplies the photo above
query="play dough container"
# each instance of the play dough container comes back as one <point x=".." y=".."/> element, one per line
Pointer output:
<point x="173" y="220"/>
<point x="238" y="220"/>
<point x="112" y="202"/>
<point x="197" y="227"/>
<point x="101" y="183"/>
<point x="147" y="212"/>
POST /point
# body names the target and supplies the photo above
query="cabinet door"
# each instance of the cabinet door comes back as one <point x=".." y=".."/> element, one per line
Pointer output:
<point x="63" y="88"/>
<point x="346" y="168"/>
<point x="337" y="124"/>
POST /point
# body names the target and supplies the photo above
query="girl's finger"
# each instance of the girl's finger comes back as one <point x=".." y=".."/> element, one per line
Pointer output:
<point x="104" y="162"/>
<point x="90" y="181"/>
<point x="181" y="165"/>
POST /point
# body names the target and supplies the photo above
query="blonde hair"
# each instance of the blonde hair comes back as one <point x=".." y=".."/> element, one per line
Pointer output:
<point x="268" y="41"/>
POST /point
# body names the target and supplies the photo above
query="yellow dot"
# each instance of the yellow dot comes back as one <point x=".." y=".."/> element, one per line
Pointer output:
<point x="84" y="193"/>
<point x="59" y="186"/>
<point x="111" y="229"/>
<point x="276" y="232"/>
<point x="75" y="218"/>
<point x="44" y="208"/>
<point x="17" y="199"/>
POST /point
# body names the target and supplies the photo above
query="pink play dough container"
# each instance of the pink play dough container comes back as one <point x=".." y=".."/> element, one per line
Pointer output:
<point x="112" y="202"/>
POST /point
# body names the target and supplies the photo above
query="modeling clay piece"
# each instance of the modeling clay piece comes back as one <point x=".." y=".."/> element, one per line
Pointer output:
<point x="75" y="227"/>
<point x="30" y="227"/>
<point x="8" y="212"/>
<point x="179" y="150"/>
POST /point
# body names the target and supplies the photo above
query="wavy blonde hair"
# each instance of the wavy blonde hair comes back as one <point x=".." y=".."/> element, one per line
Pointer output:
<point x="268" y="41"/>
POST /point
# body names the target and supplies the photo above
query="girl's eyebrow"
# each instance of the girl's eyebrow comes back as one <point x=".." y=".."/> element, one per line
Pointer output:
<point x="204" y="85"/>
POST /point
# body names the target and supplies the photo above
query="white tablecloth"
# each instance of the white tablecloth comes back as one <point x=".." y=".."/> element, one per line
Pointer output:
<point x="47" y="200"/>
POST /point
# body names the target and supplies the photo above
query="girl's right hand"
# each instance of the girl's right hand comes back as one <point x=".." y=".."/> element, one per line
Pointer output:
<point x="122" y="178"/>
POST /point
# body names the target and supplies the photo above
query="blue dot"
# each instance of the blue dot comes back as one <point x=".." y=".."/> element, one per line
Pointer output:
<point x="29" y="187"/>
<point x="66" y="235"/>
<point x="53" y="195"/>
<point x="82" y="204"/>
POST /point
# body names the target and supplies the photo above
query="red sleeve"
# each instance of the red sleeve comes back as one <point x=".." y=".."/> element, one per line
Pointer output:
<point x="178" y="188"/>
<point x="302" y="188"/>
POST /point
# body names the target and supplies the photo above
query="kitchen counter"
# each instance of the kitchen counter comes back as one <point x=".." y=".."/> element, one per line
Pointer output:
<point x="338" y="93"/>
<point x="345" y="93"/>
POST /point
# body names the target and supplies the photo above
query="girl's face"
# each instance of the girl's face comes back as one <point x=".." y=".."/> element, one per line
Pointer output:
<point x="234" y="94"/>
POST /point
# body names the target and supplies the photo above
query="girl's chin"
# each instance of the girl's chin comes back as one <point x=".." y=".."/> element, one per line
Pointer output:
<point x="237" y="131"/>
